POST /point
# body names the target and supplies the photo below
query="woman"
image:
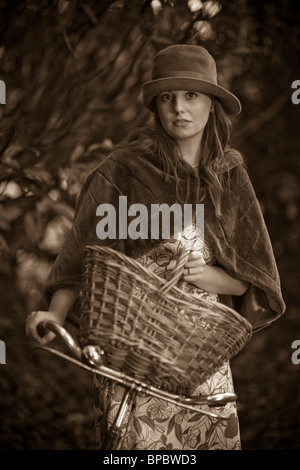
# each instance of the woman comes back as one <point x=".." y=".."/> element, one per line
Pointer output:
<point x="185" y="157"/>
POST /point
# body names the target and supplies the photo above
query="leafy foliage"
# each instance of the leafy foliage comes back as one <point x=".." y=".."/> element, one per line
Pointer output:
<point x="73" y="72"/>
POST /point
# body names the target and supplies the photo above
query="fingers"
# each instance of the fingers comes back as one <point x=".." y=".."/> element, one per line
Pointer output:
<point x="191" y="274"/>
<point x="195" y="255"/>
<point x="194" y="267"/>
<point x="32" y="330"/>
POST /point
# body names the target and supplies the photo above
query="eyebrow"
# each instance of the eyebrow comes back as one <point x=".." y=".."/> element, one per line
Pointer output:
<point x="173" y="91"/>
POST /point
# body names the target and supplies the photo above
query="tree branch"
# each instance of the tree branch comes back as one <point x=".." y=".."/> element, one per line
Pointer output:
<point x="254" y="124"/>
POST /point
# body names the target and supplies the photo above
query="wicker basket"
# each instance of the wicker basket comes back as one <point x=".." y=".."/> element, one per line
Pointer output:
<point x="150" y="329"/>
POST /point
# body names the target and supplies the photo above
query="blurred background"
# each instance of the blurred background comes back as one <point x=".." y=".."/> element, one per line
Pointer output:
<point x="73" y="71"/>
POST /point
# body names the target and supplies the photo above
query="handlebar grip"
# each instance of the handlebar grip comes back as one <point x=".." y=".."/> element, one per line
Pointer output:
<point x="221" y="399"/>
<point x="41" y="329"/>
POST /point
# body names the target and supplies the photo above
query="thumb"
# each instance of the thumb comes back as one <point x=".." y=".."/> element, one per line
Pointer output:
<point x="45" y="336"/>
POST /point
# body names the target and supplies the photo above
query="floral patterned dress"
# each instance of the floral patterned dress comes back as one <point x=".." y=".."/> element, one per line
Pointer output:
<point x="154" y="424"/>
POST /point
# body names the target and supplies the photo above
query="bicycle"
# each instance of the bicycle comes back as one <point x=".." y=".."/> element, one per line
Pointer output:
<point x="115" y="320"/>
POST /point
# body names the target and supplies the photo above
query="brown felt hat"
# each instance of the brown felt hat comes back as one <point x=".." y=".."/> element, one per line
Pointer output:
<point x="187" y="67"/>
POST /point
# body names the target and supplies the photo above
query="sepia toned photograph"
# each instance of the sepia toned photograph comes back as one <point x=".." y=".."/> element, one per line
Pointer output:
<point x="149" y="227"/>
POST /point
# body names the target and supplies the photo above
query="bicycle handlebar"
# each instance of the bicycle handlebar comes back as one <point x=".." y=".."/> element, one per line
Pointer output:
<point x="63" y="334"/>
<point x="90" y="358"/>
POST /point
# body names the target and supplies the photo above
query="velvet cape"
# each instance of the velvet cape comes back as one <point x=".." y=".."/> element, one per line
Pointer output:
<point x="238" y="238"/>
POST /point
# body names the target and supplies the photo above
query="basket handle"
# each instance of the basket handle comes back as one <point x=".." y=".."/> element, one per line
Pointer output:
<point x="178" y="270"/>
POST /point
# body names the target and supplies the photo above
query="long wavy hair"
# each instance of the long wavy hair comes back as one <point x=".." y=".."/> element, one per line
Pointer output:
<point x="215" y="150"/>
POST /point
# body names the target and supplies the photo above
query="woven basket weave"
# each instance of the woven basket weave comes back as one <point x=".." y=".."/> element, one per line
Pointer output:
<point x="149" y="328"/>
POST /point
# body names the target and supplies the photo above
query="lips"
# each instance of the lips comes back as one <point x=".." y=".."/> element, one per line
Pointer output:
<point x="181" y="122"/>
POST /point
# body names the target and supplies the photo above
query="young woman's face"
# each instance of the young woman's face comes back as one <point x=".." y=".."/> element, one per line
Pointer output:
<point x="184" y="114"/>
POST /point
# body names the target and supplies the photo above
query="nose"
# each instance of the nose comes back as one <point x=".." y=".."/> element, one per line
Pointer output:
<point x="178" y="106"/>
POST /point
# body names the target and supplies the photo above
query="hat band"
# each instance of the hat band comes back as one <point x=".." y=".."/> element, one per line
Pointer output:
<point x="181" y="74"/>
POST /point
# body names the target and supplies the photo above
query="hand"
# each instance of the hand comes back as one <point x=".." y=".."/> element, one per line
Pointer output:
<point x="61" y="303"/>
<point x="213" y="279"/>
<point x="194" y="268"/>
<point x="34" y="319"/>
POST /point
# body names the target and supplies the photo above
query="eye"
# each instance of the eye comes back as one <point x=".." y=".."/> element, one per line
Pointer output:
<point x="165" y="97"/>
<point x="191" y="95"/>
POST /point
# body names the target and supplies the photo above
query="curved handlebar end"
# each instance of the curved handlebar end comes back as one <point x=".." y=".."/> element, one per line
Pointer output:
<point x="63" y="334"/>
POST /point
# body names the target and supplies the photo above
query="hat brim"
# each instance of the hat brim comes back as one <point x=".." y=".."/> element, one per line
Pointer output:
<point x="153" y="88"/>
